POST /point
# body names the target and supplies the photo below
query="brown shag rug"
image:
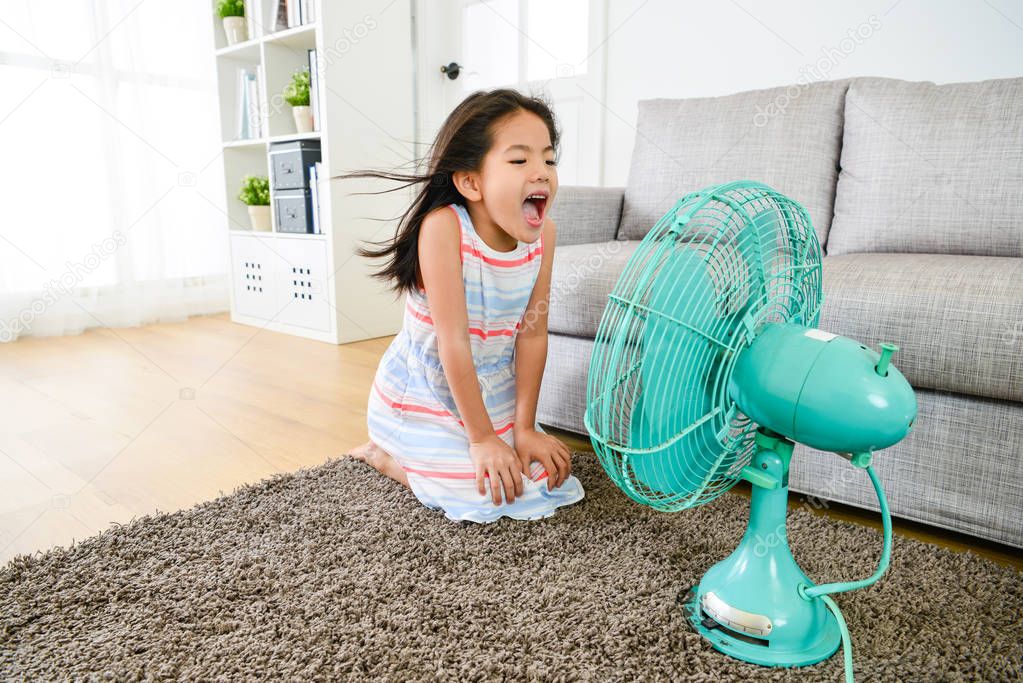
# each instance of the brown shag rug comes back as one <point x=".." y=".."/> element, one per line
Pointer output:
<point x="339" y="573"/>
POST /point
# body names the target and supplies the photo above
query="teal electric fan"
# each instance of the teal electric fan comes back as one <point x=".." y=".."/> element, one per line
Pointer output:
<point x="706" y="369"/>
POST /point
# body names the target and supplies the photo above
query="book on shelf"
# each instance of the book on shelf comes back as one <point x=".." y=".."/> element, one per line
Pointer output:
<point x="252" y="101"/>
<point x="241" y="105"/>
<point x="247" y="109"/>
<point x="281" y="16"/>
<point x="314" y="88"/>
<point x="292" y="13"/>
<point x="242" y="109"/>
<point x="257" y="108"/>
<point x="314" y="187"/>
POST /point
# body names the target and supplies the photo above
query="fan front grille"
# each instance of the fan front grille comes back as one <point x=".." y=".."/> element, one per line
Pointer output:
<point x="715" y="269"/>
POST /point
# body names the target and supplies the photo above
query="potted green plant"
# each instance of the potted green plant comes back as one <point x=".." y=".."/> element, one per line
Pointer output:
<point x="256" y="194"/>
<point x="232" y="12"/>
<point x="296" y="94"/>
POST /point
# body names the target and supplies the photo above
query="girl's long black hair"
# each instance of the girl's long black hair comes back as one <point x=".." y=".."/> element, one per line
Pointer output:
<point x="460" y="145"/>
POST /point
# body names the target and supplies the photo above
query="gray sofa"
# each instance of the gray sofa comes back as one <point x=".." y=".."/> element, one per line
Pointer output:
<point x="916" y="192"/>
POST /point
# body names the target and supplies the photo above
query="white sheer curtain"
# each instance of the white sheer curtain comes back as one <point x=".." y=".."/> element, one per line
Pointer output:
<point x="112" y="209"/>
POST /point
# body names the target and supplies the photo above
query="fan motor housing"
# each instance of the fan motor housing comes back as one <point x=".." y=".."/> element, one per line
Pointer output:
<point x="822" y="390"/>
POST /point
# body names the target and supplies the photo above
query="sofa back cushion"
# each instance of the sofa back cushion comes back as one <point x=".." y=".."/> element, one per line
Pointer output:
<point x="931" y="168"/>
<point x="787" y="137"/>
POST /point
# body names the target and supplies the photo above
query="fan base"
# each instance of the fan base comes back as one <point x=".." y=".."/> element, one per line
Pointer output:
<point x="737" y="645"/>
<point x="749" y="605"/>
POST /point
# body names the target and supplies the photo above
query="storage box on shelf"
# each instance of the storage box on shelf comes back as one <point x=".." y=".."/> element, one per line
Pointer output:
<point x="306" y="283"/>
<point x="291" y="192"/>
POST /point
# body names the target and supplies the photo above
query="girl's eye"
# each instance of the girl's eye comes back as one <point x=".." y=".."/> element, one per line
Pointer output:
<point x="552" y="162"/>
<point x="518" y="161"/>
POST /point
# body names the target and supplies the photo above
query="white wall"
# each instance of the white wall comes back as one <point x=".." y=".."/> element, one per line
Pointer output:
<point x="696" y="48"/>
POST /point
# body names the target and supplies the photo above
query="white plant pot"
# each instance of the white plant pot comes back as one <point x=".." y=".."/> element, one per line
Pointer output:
<point x="259" y="217"/>
<point x="303" y="119"/>
<point x="236" y="30"/>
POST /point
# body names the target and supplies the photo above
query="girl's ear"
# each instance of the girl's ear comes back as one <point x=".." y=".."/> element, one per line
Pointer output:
<point x="468" y="185"/>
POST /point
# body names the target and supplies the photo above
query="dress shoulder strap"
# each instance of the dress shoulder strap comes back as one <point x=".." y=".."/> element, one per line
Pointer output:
<point x="457" y="208"/>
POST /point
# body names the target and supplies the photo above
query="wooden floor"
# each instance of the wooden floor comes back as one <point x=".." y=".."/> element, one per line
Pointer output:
<point x="114" y="424"/>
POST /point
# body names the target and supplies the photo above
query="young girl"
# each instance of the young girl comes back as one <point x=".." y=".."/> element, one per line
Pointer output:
<point x="452" y="409"/>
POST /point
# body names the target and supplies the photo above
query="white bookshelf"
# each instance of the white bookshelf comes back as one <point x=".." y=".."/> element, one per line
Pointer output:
<point x="313" y="285"/>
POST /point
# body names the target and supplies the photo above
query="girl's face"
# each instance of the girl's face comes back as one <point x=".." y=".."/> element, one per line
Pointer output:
<point x="519" y="165"/>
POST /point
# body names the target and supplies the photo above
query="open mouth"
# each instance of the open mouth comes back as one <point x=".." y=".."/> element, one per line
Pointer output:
<point x="533" y="208"/>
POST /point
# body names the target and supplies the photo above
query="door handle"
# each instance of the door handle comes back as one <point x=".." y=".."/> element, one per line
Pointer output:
<point x="451" y="70"/>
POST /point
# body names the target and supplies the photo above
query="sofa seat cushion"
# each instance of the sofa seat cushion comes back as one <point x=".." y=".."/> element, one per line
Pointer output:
<point x="789" y="138"/>
<point x="958" y="320"/>
<point x="931" y="169"/>
<point x="582" y="277"/>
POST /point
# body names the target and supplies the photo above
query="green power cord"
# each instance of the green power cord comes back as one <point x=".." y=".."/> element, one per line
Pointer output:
<point x="846" y="640"/>
<point x="823" y="591"/>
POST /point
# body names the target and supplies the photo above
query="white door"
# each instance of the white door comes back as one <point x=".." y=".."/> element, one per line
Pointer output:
<point x="550" y="47"/>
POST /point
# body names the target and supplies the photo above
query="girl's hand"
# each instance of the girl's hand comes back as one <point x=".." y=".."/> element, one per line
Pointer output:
<point x="553" y="455"/>
<point x="493" y="457"/>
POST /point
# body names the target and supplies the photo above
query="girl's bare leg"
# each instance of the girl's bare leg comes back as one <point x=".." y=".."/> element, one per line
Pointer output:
<point x="381" y="461"/>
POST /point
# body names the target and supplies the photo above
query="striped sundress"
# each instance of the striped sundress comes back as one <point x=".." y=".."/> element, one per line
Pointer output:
<point x="412" y="414"/>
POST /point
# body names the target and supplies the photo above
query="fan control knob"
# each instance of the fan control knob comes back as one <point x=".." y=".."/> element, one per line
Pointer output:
<point x="887" y="350"/>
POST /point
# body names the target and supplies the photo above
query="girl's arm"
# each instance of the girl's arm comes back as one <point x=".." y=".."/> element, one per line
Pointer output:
<point x="531" y="341"/>
<point x="440" y="260"/>
<point x="530" y="360"/>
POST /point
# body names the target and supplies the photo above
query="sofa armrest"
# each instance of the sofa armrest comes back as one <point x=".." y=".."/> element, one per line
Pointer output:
<point x="587" y="214"/>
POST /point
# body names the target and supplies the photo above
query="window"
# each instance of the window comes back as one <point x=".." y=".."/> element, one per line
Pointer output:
<point x="515" y="41"/>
